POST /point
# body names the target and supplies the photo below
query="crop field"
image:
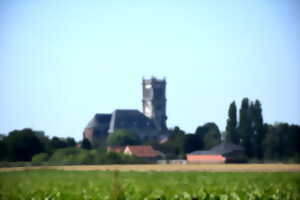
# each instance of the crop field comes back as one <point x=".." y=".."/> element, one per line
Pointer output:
<point x="150" y="185"/>
<point x="172" y="167"/>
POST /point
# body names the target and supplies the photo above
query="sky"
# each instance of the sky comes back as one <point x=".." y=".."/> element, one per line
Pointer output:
<point x="63" y="61"/>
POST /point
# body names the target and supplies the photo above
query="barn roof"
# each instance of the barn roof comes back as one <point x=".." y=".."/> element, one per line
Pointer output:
<point x="226" y="147"/>
<point x="203" y="153"/>
<point x="220" y="149"/>
<point x="143" y="151"/>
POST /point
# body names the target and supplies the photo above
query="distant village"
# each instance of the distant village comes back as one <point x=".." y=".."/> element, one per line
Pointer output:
<point x="131" y="136"/>
<point x="151" y="128"/>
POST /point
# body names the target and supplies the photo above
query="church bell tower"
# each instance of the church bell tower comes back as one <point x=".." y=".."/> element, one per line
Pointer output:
<point x="154" y="101"/>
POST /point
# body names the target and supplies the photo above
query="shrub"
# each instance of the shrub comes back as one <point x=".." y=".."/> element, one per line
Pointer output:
<point x="41" y="157"/>
<point x="68" y="156"/>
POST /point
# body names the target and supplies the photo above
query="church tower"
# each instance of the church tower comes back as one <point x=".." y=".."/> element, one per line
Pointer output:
<point x="154" y="101"/>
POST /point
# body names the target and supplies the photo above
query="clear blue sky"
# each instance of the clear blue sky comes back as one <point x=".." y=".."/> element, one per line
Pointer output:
<point x="63" y="61"/>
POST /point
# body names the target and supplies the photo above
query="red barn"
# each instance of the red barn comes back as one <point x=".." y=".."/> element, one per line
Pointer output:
<point x="197" y="157"/>
<point x="224" y="152"/>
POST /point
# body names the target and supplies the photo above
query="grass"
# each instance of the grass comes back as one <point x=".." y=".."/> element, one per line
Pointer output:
<point x="110" y="185"/>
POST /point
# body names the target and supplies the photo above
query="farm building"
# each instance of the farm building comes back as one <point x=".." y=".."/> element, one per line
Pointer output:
<point x="224" y="152"/>
<point x="116" y="149"/>
<point x="140" y="151"/>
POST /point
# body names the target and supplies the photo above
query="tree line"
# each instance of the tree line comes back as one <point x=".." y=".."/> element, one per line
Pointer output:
<point x="261" y="141"/>
<point x="28" y="145"/>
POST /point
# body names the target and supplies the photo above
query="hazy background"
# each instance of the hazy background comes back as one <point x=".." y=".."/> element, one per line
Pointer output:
<point x="63" y="61"/>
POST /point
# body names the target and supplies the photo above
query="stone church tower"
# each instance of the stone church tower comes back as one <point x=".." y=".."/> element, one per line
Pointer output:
<point x="154" y="101"/>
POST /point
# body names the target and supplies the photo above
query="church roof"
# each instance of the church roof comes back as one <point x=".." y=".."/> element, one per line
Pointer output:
<point x="130" y="119"/>
<point x="99" y="119"/>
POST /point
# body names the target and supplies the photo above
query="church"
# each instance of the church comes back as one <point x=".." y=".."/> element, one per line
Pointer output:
<point x="149" y="125"/>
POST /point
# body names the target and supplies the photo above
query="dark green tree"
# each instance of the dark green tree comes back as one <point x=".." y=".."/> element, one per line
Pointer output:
<point x="258" y="129"/>
<point x="212" y="137"/>
<point x="46" y="142"/>
<point x="282" y="142"/>
<point x="122" y="138"/>
<point x="211" y="140"/>
<point x="244" y="129"/>
<point x="175" y="146"/>
<point x="22" y="145"/>
<point x="201" y="131"/>
<point x="57" y="143"/>
<point x="192" y="142"/>
<point x="3" y="150"/>
<point x="85" y="144"/>
<point x="232" y="135"/>
<point x="70" y="142"/>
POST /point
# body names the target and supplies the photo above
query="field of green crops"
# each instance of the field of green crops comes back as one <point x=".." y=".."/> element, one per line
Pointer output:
<point x="58" y="184"/>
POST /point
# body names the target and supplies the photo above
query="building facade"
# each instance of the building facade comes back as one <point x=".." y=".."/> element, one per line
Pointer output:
<point x="148" y="125"/>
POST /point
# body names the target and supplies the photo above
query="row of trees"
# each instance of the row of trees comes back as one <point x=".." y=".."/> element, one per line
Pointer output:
<point x="21" y="145"/>
<point x="29" y="145"/>
<point x="261" y="141"/>
<point x="180" y="143"/>
<point x="73" y="156"/>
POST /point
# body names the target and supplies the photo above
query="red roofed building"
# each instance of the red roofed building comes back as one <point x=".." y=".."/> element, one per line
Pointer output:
<point x="141" y="151"/>
<point x="222" y="153"/>
<point x="206" y="159"/>
<point x="116" y="149"/>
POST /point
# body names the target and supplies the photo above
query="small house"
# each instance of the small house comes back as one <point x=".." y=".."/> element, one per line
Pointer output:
<point x="116" y="149"/>
<point x="141" y="151"/>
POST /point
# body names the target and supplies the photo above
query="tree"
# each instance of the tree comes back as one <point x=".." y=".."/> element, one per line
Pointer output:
<point x="282" y="142"/>
<point x="245" y="127"/>
<point x="201" y="131"/>
<point x="174" y="147"/>
<point x="231" y="127"/>
<point x="86" y="144"/>
<point x="41" y="157"/>
<point x="212" y="137"/>
<point x="192" y="142"/>
<point x="22" y="145"/>
<point x="3" y="150"/>
<point x="57" y="143"/>
<point x="70" y="142"/>
<point x="258" y="129"/>
<point x="46" y="142"/>
<point x="122" y="138"/>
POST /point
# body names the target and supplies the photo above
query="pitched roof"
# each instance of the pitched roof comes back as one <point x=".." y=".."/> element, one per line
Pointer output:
<point x="98" y="120"/>
<point x="226" y="147"/>
<point x="143" y="151"/>
<point x="116" y="149"/>
<point x="220" y="149"/>
<point x="130" y="119"/>
<point x="203" y="153"/>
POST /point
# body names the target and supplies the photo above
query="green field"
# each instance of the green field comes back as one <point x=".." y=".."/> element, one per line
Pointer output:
<point x="58" y="184"/>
